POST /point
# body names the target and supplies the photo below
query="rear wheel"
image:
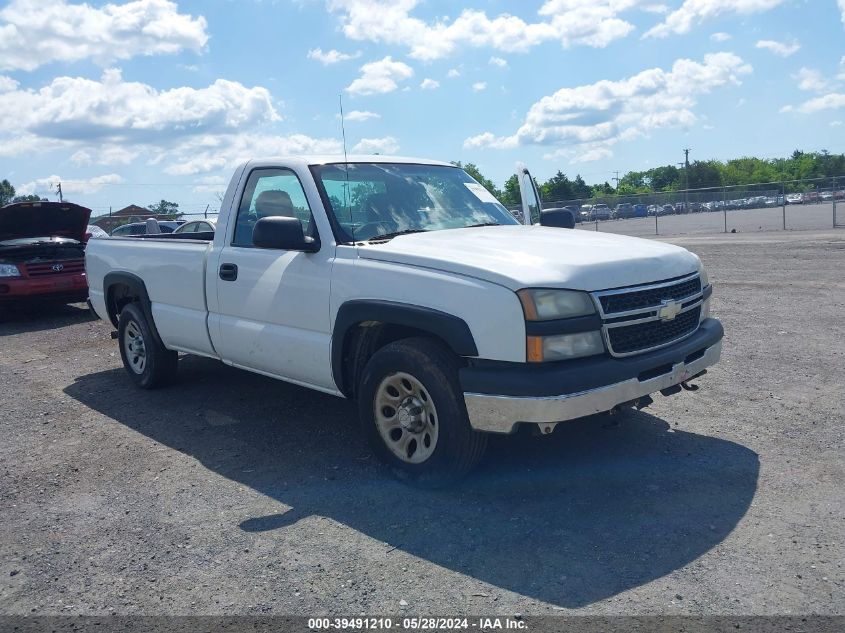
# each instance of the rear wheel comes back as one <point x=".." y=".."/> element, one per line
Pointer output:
<point x="146" y="360"/>
<point x="413" y="414"/>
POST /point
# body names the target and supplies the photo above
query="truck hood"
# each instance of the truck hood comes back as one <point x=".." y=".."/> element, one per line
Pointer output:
<point x="43" y="219"/>
<point x="537" y="256"/>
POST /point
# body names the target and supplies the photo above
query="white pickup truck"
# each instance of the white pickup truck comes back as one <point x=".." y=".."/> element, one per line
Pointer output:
<point x="402" y="283"/>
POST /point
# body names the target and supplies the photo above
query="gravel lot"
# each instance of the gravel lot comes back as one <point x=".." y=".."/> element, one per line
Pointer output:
<point x="798" y="217"/>
<point x="232" y="493"/>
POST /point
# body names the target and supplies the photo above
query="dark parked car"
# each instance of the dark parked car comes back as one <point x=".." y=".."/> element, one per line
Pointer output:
<point x="640" y="211"/>
<point x="623" y="210"/>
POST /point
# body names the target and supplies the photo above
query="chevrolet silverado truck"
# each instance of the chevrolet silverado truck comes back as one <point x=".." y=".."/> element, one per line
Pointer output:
<point x="405" y="285"/>
<point x="42" y="252"/>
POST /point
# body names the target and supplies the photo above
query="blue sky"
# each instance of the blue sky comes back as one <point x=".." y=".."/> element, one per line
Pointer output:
<point x="136" y="101"/>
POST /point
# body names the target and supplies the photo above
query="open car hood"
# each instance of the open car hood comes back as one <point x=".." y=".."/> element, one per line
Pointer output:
<point x="43" y="219"/>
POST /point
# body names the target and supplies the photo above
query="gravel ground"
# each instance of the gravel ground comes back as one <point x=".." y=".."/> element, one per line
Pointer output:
<point x="231" y="493"/>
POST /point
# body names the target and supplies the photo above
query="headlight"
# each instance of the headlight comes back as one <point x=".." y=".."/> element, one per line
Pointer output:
<point x="9" y="270"/>
<point x="540" y="304"/>
<point x="563" y="346"/>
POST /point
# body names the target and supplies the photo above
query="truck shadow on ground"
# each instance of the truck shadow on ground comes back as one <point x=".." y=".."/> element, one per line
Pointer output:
<point x="37" y="317"/>
<point x="597" y="508"/>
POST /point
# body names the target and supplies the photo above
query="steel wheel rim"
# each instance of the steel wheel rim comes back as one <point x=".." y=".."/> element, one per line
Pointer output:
<point x="406" y="418"/>
<point x="133" y="345"/>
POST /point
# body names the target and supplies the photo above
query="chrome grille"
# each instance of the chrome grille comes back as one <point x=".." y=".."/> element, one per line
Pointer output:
<point x="643" y="318"/>
<point x="65" y="267"/>
<point x="638" y="299"/>
<point x="651" y="334"/>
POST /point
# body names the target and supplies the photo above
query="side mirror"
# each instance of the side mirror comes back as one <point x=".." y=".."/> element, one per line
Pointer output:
<point x="282" y="233"/>
<point x="561" y="218"/>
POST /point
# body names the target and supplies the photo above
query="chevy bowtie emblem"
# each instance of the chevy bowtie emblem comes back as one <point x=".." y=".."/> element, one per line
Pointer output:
<point x="58" y="267"/>
<point x="669" y="309"/>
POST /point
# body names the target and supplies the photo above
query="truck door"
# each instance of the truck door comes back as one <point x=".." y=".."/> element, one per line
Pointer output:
<point x="529" y="195"/>
<point x="272" y="307"/>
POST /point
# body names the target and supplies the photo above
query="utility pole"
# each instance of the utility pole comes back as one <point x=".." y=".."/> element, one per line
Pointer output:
<point x="616" y="178"/>
<point x="59" y="190"/>
<point x="686" y="177"/>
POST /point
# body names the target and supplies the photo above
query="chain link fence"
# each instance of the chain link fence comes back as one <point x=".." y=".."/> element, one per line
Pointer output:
<point x="817" y="203"/>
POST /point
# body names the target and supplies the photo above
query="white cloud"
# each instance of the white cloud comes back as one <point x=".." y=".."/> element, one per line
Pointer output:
<point x="694" y="12"/>
<point x="811" y="80"/>
<point x="211" y="184"/>
<point x="830" y="101"/>
<point x="591" y="119"/>
<point x="593" y="23"/>
<point x="104" y="155"/>
<point x="110" y="121"/>
<point x="478" y="86"/>
<point x="331" y="57"/>
<point x="781" y="49"/>
<point x="429" y="84"/>
<point x="453" y="72"/>
<point x="34" y="33"/>
<point x="112" y="110"/>
<point x="210" y="153"/>
<point x="380" y="77"/>
<point x="386" y="145"/>
<point x="720" y="37"/>
<point x="842" y="10"/>
<point x="498" y="61"/>
<point x="836" y="124"/>
<point x="361" y="115"/>
<point x="7" y="84"/>
<point x="47" y="186"/>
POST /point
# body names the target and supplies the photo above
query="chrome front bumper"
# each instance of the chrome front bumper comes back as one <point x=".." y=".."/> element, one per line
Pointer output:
<point x="501" y="414"/>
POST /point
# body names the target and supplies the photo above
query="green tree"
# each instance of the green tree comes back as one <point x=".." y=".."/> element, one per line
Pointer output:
<point x="580" y="189"/>
<point x="473" y="171"/>
<point x="557" y="188"/>
<point x="510" y="192"/>
<point x="29" y="198"/>
<point x="165" y="210"/>
<point x="7" y="192"/>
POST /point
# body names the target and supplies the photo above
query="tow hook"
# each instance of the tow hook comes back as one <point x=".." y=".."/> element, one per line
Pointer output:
<point x="690" y="387"/>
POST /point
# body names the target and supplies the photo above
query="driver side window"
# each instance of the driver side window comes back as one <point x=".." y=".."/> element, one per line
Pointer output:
<point x="270" y="192"/>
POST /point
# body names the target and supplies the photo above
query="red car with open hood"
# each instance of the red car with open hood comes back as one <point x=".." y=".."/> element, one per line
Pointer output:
<point x="42" y="252"/>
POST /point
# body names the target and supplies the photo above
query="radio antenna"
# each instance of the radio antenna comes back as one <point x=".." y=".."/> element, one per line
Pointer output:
<point x="346" y="170"/>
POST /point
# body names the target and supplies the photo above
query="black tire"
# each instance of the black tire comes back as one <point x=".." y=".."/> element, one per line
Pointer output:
<point x="156" y="365"/>
<point x="457" y="448"/>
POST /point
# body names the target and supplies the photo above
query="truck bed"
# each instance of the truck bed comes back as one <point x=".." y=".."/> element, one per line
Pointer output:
<point x="173" y="272"/>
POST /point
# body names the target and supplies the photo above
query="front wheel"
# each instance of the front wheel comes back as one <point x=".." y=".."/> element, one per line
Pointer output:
<point x="413" y="414"/>
<point x="146" y="360"/>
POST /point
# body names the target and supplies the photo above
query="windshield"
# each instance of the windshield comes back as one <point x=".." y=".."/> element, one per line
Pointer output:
<point x="378" y="200"/>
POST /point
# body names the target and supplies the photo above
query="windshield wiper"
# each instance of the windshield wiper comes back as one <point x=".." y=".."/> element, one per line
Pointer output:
<point x="473" y="226"/>
<point x="388" y="236"/>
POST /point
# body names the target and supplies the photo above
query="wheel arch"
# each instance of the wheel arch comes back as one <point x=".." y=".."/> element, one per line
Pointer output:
<point x="363" y="326"/>
<point x="121" y="288"/>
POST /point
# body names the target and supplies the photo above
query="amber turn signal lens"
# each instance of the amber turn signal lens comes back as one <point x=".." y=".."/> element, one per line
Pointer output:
<point x="534" y="349"/>
<point x="528" y="307"/>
